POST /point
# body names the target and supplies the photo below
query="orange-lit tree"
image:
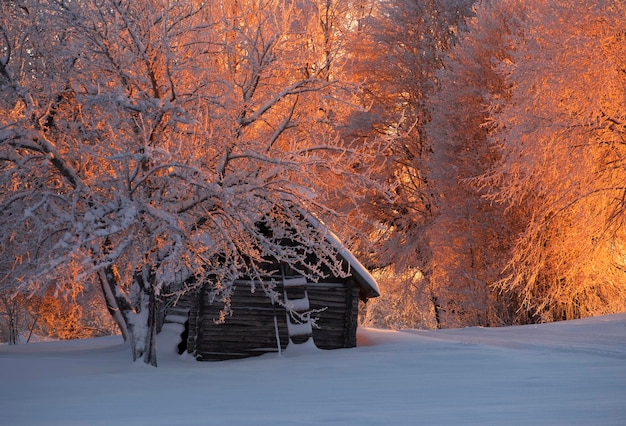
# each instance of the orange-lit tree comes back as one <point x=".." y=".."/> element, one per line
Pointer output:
<point x="470" y="236"/>
<point x="562" y="136"/>
<point x="145" y="141"/>
<point x="398" y="52"/>
<point x="528" y="165"/>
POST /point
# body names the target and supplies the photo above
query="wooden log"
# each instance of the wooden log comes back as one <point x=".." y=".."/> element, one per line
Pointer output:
<point x="251" y="328"/>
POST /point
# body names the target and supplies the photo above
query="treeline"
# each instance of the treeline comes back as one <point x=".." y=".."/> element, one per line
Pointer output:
<point x="524" y="168"/>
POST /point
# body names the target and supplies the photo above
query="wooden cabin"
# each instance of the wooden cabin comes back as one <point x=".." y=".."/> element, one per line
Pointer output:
<point x="325" y="311"/>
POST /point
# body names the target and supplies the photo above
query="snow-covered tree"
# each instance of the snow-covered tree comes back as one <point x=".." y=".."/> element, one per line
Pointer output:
<point x="526" y="138"/>
<point x="562" y="135"/>
<point x="398" y="52"/>
<point x="470" y="235"/>
<point x="147" y="141"/>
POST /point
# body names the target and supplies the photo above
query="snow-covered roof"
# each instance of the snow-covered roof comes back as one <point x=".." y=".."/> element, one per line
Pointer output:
<point x="362" y="276"/>
<point x="360" y="273"/>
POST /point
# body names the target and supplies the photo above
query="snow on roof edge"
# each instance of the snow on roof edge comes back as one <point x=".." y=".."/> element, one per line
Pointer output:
<point x="356" y="267"/>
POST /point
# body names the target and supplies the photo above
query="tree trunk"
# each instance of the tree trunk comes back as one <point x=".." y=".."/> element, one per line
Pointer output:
<point x="137" y="321"/>
<point x="437" y="308"/>
<point x="142" y="322"/>
<point x="12" y="317"/>
<point x="108" y="284"/>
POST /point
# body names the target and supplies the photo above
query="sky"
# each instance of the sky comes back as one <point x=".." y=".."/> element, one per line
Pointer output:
<point x="566" y="373"/>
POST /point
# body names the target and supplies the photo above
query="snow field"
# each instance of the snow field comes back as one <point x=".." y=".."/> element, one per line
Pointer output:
<point x="569" y="373"/>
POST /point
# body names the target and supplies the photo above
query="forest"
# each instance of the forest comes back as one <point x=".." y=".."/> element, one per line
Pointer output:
<point x="468" y="152"/>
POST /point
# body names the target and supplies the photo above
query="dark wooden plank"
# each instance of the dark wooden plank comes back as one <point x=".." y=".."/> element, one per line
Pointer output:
<point x="250" y="330"/>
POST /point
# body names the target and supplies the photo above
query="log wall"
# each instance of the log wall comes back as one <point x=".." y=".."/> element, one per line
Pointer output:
<point x="250" y="330"/>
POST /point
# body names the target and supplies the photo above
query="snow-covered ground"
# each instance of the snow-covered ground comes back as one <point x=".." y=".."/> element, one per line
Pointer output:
<point x="569" y="373"/>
